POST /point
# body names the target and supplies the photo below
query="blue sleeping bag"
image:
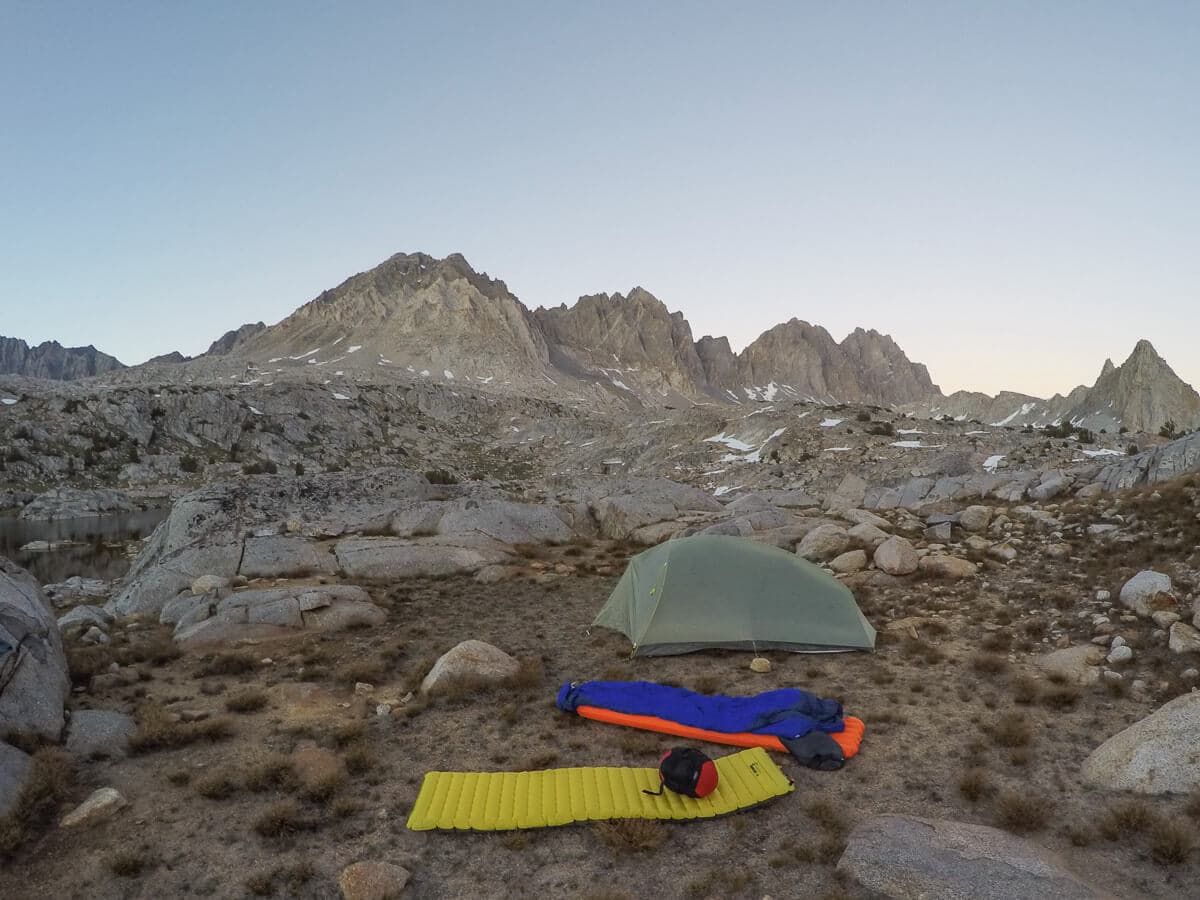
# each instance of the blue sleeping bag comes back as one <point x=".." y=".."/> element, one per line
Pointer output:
<point x="785" y="713"/>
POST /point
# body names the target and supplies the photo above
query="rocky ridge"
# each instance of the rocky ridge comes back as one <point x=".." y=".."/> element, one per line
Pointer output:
<point x="52" y="360"/>
<point x="1143" y="394"/>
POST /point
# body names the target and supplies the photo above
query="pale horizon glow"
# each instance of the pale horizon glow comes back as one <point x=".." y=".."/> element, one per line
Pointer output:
<point x="1007" y="189"/>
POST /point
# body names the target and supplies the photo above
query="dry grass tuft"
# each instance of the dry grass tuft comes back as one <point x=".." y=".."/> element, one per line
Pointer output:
<point x="1126" y="817"/>
<point x="720" y="883"/>
<point x="369" y="670"/>
<point x="273" y="771"/>
<point x="160" y="730"/>
<point x="246" y="701"/>
<point x="1021" y="812"/>
<point x="228" y="664"/>
<point x="1171" y="842"/>
<point x="989" y="663"/>
<point x="632" y="835"/>
<point x="1025" y="690"/>
<point x="50" y="777"/>
<point x="1012" y="730"/>
<point x="360" y="758"/>
<point x="280" y="819"/>
<point x="156" y="649"/>
<point x="974" y="784"/>
<point x="128" y="863"/>
<point x="1061" y="697"/>
<point x="216" y="786"/>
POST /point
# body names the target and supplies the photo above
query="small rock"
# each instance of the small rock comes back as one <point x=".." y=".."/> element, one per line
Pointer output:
<point x="372" y="881"/>
<point x="102" y="804"/>
<point x="210" y="583"/>
<point x="363" y="689"/>
<point x="1164" y="618"/>
<point x="1120" y="655"/>
<point x="95" y="636"/>
<point x="849" y="562"/>
<point x="943" y="531"/>
<point x="760" y="664"/>
<point x="1119" y="641"/>
<point x="975" y="518"/>
<point x="1111" y="677"/>
<point x="1190" y="674"/>
<point x="943" y="566"/>
<point x="1183" y="639"/>
<point x="1103" y="596"/>
<point x="383" y="710"/>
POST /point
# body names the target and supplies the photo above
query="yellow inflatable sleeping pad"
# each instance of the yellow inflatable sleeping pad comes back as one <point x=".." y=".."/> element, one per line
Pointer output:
<point x="500" y="801"/>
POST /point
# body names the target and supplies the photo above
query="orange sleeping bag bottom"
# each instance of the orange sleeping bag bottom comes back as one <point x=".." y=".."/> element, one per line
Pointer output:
<point x="848" y="739"/>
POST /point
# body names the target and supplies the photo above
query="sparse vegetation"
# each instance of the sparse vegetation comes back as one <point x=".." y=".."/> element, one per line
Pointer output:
<point x="247" y="701"/>
<point x="1021" y="810"/>
<point x="632" y="835"/>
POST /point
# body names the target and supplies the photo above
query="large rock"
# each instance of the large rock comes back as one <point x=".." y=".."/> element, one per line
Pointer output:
<point x="1146" y="592"/>
<point x="868" y="535"/>
<point x="512" y="523"/>
<point x="936" y="859"/>
<point x="14" y="767"/>
<point x="85" y="616"/>
<point x="209" y="531"/>
<point x="896" y="556"/>
<point x="372" y="880"/>
<point x="1159" y="464"/>
<point x="939" y="565"/>
<point x="1074" y="664"/>
<point x="1052" y="484"/>
<point x="276" y="612"/>
<point x="285" y="556"/>
<point x="1157" y="755"/>
<point x="99" y="732"/>
<point x="33" y="666"/>
<point x="849" y="494"/>
<point x="473" y="662"/>
<point x="865" y="517"/>
<point x="823" y="543"/>
<point x="388" y="559"/>
<point x="72" y="503"/>
<point x="617" y="506"/>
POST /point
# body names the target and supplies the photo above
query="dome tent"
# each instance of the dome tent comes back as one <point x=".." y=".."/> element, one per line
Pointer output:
<point x="714" y="591"/>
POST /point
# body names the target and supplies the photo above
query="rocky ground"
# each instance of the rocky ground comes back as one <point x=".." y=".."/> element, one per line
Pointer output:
<point x="250" y="711"/>
<point x="242" y="713"/>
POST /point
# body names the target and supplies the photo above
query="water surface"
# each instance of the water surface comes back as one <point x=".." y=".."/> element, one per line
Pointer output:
<point x="98" y="548"/>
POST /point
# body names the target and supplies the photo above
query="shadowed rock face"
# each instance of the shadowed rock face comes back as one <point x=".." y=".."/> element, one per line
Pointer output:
<point x="52" y="360"/>
<point x="33" y="666"/>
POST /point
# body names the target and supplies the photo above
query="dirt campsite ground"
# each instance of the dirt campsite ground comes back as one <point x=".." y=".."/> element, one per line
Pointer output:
<point x="959" y="727"/>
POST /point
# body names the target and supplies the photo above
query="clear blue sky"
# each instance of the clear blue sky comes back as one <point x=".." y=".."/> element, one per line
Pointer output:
<point x="1012" y="190"/>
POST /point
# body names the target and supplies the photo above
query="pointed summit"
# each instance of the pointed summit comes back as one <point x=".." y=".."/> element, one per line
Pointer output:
<point x="1108" y="368"/>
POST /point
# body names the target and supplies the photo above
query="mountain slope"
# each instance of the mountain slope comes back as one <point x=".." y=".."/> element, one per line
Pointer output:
<point x="1141" y="394"/>
<point x="413" y="312"/>
<point x="52" y="360"/>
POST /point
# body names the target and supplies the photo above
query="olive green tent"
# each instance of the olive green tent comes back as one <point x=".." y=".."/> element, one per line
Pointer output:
<point x="710" y="591"/>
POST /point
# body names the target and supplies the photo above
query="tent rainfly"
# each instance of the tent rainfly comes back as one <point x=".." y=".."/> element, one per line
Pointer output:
<point x="715" y="591"/>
